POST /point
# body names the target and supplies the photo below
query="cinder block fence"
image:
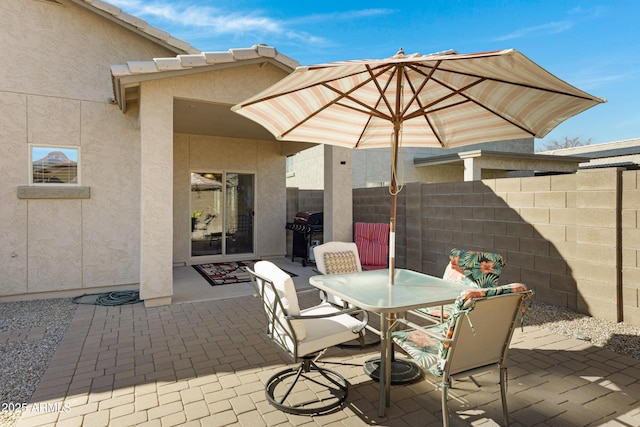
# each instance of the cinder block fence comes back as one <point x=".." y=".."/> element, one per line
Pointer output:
<point x="574" y="239"/>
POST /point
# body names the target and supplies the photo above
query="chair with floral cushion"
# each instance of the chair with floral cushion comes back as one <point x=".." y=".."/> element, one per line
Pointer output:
<point x="471" y="268"/>
<point x="372" y="240"/>
<point x="304" y="335"/>
<point x="475" y="338"/>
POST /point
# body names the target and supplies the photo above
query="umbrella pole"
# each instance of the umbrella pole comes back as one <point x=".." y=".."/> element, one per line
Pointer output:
<point x="393" y="189"/>
<point x="397" y="124"/>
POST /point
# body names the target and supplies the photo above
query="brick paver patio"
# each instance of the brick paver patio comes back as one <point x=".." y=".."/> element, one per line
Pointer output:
<point x="206" y="363"/>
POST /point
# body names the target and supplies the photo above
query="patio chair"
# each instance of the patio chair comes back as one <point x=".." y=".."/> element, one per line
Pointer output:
<point x="336" y="258"/>
<point x="472" y="268"/>
<point x="475" y="338"/>
<point x="303" y="335"/>
<point x="340" y="258"/>
<point x="372" y="240"/>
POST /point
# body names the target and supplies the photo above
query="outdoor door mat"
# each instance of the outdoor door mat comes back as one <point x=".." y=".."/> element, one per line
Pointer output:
<point x="225" y="273"/>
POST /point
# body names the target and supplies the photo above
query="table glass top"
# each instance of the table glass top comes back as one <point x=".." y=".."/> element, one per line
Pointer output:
<point x="371" y="290"/>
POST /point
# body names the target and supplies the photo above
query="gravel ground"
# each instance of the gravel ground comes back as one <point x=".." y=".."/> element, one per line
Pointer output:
<point x="621" y="338"/>
<point x="30" y="332"/>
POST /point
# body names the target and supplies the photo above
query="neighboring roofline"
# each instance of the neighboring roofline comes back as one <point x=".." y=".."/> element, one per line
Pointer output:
<point x="130" y="75"/>
<point x="455" y="157"/>
<point x="137" y="25"/>
<point x="597" y="151"/>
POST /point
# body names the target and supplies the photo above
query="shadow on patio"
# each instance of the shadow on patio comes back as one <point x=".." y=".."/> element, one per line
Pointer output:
<point x="206" y="363"/>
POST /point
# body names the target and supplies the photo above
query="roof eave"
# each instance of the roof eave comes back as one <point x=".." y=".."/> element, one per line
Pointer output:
<point x="123" y="78"/>
<point x="138" y="26"/>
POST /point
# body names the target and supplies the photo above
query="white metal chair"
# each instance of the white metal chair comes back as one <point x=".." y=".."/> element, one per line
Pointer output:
<point x="475" y="338"/>
<point x="336" y="258"/>
<point x="341" y="258"/>
<point x="303" y="335"/>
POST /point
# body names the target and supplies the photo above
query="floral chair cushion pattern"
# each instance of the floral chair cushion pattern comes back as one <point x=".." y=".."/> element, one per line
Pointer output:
<point x="470" y="268"/>
<point x="473" y="268"/>
<point x="431" y="353"/>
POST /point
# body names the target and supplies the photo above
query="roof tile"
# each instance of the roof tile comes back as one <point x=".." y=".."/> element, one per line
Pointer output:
<point x="167" y="64"/>
<point x="267" y="51"/>
<point x="218" y="57"/>
<point x="125" y="18"/>
<point x="142" y="67"/>
<point x="192" y="60"/>
<point x="245" y="53"/>
<point x="133" y="20"/>
<point x="120" y="70"/>
<point x="202" y="59"/>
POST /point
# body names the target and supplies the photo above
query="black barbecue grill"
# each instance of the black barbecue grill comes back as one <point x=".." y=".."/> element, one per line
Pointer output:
<point x="305" y="226"/>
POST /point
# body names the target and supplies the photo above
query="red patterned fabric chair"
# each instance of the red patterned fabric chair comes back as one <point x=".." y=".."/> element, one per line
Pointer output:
<point x="372" y="240"/>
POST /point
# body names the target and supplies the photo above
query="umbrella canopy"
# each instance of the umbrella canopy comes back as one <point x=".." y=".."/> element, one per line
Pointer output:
<point x="200" y="183"/>
<point x="441" y="100"/>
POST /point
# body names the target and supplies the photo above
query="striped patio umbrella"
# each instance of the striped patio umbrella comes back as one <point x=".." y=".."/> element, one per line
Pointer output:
<point x="443" y="100"/>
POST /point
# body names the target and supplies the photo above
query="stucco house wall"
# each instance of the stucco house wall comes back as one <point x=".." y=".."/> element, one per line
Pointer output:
<point x="262" y="158"/>
<point x="127" y="223"/>
<point x="371" y="167"/>
<point x="54" y="90"/>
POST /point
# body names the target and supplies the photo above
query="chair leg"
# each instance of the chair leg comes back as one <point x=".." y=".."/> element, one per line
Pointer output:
<point x="444" y="390"/>
<point x="503" y="394"/>
<point x="280" y="389"/>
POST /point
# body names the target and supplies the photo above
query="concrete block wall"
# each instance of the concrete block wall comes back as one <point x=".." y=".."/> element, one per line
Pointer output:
<point x="574" y="239"/>
<point x="558" y="234"/>
<point x="630" y="271"/>
<point x="374" y="205"/>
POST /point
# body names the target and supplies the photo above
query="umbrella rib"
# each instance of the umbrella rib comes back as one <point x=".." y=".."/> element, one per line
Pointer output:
<point x="417" y="100"/>
<point x="461" y="93"/>
<point x="416" y="67"/>
<point x="370" y="111"/>
<point x="381" y="91"/>
<point x="422" y="85"/>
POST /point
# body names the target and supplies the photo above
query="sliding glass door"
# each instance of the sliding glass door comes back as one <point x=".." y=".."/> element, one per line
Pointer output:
<point x="222" y="213"/>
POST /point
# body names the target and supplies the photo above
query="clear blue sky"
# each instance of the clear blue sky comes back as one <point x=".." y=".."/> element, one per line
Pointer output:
<point x="592" y="45"/>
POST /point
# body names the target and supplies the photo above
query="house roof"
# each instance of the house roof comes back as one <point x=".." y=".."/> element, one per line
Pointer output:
<point x="506" y="161"/>
<point x="127" y="77"/>
<point x="137" y="25"/>
<point x="191" y="116"/>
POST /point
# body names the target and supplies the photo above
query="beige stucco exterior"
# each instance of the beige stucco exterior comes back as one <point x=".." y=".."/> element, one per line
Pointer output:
<point x="371" y="168"/>
<point x="128" y="222"/>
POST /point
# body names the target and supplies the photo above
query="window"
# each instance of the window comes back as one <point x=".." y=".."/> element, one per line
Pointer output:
<point x="54" y="165"/>
<point x="290" y="166"/>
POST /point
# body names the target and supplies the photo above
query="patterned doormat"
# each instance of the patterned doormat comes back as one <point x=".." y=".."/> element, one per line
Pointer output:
<point x="225" y="273"/>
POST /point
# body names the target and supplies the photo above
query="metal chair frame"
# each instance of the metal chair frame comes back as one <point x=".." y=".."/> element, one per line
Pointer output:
<point x="480" y="342"/>
<point x="281" y="331"/>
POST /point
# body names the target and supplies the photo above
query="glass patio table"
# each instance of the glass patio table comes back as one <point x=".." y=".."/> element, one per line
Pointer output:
<point x="371" y="291"/>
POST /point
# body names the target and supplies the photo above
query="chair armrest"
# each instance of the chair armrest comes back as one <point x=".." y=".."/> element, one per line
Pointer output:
<point x="436" y="336"/>
<point x="351" y="310"/>
<point x="348" y="311"/>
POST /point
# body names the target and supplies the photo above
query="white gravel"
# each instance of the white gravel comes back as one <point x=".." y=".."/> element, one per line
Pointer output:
<point x="30" y="332"/>
<point x="621" y="338"/>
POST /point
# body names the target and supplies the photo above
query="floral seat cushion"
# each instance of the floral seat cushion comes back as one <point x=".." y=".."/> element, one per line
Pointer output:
<point x="431" y="353"/>
<point x="473" y="268"/>
<point x="470" y="268"/>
